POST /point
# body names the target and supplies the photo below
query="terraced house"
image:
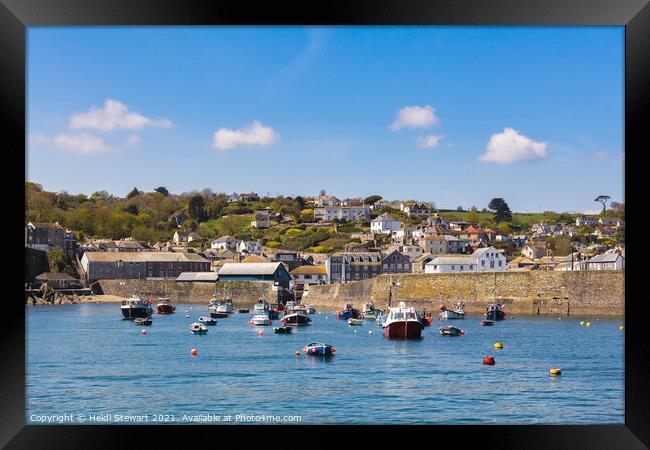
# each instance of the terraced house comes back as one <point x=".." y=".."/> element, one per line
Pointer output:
<point x="343" y="267"/>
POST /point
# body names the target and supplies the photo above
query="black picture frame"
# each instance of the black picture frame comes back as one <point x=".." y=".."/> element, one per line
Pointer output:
<point x="634" y="15"/>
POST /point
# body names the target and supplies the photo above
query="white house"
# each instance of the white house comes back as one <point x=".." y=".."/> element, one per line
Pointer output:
<point x="487" y="259"/>
<point x="225" y="242"/>
<point x="415" y="210"/>
<point x="260" y="224"/>
<point x="607" y="261"/>
<point x="183" y="237"/>
<point x="328" y="213"/>
<point x="306" y="275"/>
<point x="586" y="221"/>
<point x="385" y="224"/>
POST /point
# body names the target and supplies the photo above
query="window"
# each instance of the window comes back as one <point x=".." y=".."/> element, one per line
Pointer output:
<point x="500" y="263"/>
<point x="385" y="266"/>
<point x="491" y="264"/>
<point x="483" y="263"/>
<point x="453" y="267"/>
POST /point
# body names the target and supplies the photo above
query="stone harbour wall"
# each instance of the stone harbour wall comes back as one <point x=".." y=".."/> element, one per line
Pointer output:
<point x="534" y="292"/>
<point x="243" y="293"/>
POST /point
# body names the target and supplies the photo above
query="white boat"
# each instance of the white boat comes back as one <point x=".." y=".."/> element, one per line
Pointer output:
<point x="458" y="313"/>
<point x="198" y="328"/>
<point x="402" y="322"/>
<point x="369" y="311"/>
<point x="310" y="309"/>
<point x="295" y="314"/>
<point x="352" y="321"/>
<point x="260" y="320"/>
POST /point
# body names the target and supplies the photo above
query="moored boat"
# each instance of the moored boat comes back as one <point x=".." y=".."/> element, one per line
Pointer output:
<point x="243" y="311"/>
<point x="402" y="322"/>
<point x="352" y="321"/>
<point x="319" y="349"/>
<point x="309" y="309"/>
<point x="135" y="307"/>
<point x="198" y="328"/>
<point x="143" y="321"/>
<point x="260" y="320"/>
<point x="449" y="314"/>
<point x="165" y="306"/>
<point x="295" y="314"/>
<point x="348" y="312"/>
<point x="495" y="311"/>
<point x="451" y="331"/>
<point x="207" y="320"/>
<point x="283" y="330"/>
<point x="369" y="311"/>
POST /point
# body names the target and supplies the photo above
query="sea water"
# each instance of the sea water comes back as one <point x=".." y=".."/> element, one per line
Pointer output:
<point x="86" y="365"/>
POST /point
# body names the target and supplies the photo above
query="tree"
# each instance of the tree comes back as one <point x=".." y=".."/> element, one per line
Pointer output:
<point x="133" y="193"/>
<point x="131" y="208"/>
<point x="163" y="190"/>
<point x="299" y="202"/>
<point x="603" y="199"/>
<point x="501" y="210"/>
<point x="59" y="262"/>
<point x="195" y="207"/>
<point x="372" y="199"/>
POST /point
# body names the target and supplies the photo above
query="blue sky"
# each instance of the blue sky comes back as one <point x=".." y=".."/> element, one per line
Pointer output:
<point x="453" y="115"/>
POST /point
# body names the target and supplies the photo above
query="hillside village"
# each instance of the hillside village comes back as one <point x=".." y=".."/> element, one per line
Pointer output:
<point x="297" y="242"/>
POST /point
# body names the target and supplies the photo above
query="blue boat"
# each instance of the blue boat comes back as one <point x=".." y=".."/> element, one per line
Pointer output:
<point x="495" y="312"/>
<point x="319" y="349"/>
<point x="348" y="313"/>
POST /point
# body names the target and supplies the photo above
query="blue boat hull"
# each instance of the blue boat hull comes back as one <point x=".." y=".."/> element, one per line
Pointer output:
<point x="494" y="315"/>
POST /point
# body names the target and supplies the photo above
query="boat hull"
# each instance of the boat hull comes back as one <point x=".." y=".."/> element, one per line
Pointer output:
<point x="296" y="319"/>
<point x="137" y="312"/>
<point x="218" y="315"/>
<point x="495" y="315"/>
<point x="405" y="329"/>
<point x="165" y="309"/>
<point x="451" y="315"/>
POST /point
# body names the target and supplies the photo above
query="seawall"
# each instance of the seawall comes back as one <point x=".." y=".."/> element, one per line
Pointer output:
<point x="243" y="293"/>
<point x="525" y="293"/>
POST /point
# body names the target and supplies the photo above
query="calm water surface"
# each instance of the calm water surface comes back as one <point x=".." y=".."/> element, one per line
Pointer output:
<point x="83" y="359"/>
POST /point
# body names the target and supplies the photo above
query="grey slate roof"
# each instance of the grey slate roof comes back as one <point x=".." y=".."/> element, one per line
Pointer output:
<point x="249" y="268"/>
<point x="198" y="276"/>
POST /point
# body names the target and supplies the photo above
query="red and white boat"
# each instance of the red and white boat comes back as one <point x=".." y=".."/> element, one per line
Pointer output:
<point x="165" y="306"/>
<point x="402" y="322"/>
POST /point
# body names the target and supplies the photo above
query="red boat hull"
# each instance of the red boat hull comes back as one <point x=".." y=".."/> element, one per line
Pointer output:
<point x="403" y="329"/>
<point x="166" y="309"/>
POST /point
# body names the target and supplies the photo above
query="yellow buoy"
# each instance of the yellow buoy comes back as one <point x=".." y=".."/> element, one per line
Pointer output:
<point x="621" y="328"/>
<point x="588" y="324"/>
<point x="582" y="322"/>
<point x="555" y="372"/>
<point x="498" y="345"/>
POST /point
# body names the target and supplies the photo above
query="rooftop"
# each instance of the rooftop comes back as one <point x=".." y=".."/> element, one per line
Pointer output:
<point x="309" y="270"/>
<point x="249" y="269"/>
<point x="143" y="257"/>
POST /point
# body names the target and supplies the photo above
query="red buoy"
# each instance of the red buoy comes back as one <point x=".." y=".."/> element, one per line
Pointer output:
<point x="195" y="352"/>
<point x="488" y="361"/>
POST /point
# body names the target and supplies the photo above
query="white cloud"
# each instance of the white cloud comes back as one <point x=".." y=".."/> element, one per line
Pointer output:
<point x="114" y="115"/>
<point x="414" y="117"/>
<point x="133" y="139"/>
<point x="430" y="141"/>
<point x="253" y="134"/>
<point x="511" y="147"/>
<point x="79" y="143"/>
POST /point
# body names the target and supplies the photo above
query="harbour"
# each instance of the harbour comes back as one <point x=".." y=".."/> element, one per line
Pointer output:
<point x="84" y="358"/>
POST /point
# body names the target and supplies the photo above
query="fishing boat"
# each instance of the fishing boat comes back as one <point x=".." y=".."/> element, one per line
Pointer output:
<point x="198" y="328"/>
<point x="135" y="307"/>
<point x="352" y="321"/>
<point x="283" y="330"/>
<point x="295" y="315"/>
<point x="457" y="313"/>
<point x="143" y="321"/>
<point x="487" y="323"/>
<point x="264" y="307"/>
<point x="218" y="308"/>
<point x="165" y="306"/>
<point x="260" y="320"/>
<point x="495" y="312"/>
<point x="225" y="306"/>
<point x="369" y="311"/>
<point x="348" y="312"/>
<point x="310" y="309"/>
<point x="319" y="349"/>
<point x="207" y="320"/>
<point x="402" y="322"/>
<point x="451" y="331"/>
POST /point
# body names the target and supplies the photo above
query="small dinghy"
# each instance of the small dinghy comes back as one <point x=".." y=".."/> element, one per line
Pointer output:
<point x="198" y="328"/>
<point x="143" y="321"/>
<point x="319" y="349"/>
<point x="243" y="311"/>
<point x="260" y="320"/>
<point x="352" y="321"/>
<point x="487" y="323"/>
<point x="451" y="331"/>
<point x="207" y="320"/>
<point x="283" y="330"/>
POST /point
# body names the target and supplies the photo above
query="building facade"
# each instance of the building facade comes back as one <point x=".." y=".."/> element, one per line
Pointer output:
<point x="343" y="267"/>
<point x="348" y="213"/>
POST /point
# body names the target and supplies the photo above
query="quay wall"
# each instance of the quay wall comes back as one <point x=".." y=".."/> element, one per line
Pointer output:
<point x="526" y="293"/>
<point x="243" y="293"/>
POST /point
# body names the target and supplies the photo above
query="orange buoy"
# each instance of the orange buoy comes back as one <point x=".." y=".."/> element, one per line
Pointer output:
<point x="298" y="354"/>
<point x="194" y="352"/>
<point x="488" y="361"/>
